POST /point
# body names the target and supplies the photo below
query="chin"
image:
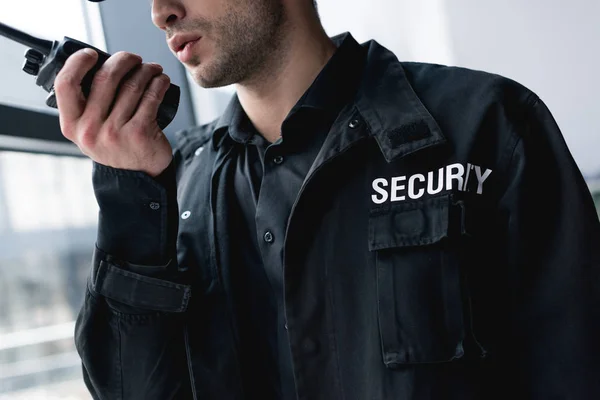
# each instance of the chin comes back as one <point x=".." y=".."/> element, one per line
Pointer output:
<point x="199" y="76"/>
<point x="207" y="80"/>
<point x="202" y="81"/>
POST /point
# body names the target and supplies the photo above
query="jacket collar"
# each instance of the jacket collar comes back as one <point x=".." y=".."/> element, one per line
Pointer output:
<point x="396" y="116"/>
<point x="393" y="112"/>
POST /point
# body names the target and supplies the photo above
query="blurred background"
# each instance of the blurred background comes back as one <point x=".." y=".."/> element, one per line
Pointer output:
<point x="47" y="208"/>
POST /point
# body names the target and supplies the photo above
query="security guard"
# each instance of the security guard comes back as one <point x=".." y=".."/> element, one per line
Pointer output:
<point x="352" y="227"/>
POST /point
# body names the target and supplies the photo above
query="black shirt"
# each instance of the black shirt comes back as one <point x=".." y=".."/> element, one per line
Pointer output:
<point x="267" y="180"/>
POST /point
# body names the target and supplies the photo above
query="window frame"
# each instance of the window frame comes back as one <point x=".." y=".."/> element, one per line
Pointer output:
<point x="34" y="131"/>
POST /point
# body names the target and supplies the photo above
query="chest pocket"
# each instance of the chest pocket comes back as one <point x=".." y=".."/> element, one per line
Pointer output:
<point x="420" y="304"/>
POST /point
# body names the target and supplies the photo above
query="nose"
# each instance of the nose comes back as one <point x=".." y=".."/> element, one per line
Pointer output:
<point x="165" y="13"/>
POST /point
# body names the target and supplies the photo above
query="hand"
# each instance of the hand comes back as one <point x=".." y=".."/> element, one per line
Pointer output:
<point x="116" y="125"/>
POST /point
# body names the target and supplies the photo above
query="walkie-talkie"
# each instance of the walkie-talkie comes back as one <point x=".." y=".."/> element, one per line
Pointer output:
<point x="45" y="59"/>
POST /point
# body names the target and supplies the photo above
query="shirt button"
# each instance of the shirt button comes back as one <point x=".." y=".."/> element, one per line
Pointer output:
<point x="154" y="206"/>
<point x="278" y="160"/>
<point x="268" y="237"/>
<point x="354" y="123"/>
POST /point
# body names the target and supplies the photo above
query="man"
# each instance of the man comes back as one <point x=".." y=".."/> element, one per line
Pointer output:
<point x="352" y="227"/>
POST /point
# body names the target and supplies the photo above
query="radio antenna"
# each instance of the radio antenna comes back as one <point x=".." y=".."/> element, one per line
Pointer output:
<point x="41" y="45"/>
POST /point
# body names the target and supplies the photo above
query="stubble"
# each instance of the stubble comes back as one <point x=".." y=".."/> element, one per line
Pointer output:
<point x="247" y="44"/>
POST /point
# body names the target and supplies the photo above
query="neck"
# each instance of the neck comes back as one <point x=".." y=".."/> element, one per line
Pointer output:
<point x="269" y="96"/>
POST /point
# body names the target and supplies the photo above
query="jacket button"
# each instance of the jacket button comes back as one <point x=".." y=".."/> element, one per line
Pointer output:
<point x="278" y="160"/>
<point x="354" y="123"/>
<point x="154" y="205"/>
<point x="268" y="237"/>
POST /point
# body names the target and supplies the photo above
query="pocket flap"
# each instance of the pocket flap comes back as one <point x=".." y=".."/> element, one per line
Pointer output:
<point x="409" y="224"/>
<point x="139" y="291"/>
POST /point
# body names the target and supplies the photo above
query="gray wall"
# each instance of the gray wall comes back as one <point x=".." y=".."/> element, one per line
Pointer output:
<point x="550" y="46"/>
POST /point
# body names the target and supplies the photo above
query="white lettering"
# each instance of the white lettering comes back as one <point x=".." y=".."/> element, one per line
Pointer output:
<point x="396" y="187"/>
<point x="469" y="168"/>
<point x="481" y="178"/>
<point x="452" y="176"/>
<point x="419" y="184"/>
<point x="411" y="186"/>
<point x="378" y="185"/>
<point x="430" y="188"/>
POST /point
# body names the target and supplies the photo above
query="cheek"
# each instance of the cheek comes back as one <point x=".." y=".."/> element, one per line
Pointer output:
<point x="206" y="9"/>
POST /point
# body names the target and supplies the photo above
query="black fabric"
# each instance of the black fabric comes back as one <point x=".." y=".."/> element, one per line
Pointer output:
<point x="444" y="245"/>
<point x="267" y="180"/>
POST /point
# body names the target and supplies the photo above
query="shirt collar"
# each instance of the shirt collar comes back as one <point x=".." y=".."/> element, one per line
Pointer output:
<point x="235" y="119"/>
<point x="338" y="80"/>
<point x="330" y="91"/>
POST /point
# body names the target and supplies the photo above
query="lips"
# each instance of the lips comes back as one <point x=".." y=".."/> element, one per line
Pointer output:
<point x="178" y="43"/>
<point x="186" y="54"/>
<point x="185" y="44"/>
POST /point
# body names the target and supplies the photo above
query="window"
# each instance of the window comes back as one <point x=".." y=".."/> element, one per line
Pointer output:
<point x="51" y="20"/>
<point x="48" y="215"/>
<point x="47" y="232"/>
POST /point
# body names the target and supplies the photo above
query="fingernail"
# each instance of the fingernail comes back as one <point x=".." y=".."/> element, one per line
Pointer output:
<point x="91" y="52"/>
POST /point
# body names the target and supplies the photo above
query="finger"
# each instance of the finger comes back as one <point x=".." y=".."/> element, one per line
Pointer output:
<point x="106" y="82"/>
<point x="153" y="96"/>
<point x="131" y="91"/>
<point x="67" y="85"/>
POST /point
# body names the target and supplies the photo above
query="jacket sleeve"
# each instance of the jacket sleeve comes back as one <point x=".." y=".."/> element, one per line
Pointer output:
<point x="551" y="253"/>
<point x="130" y="330"/>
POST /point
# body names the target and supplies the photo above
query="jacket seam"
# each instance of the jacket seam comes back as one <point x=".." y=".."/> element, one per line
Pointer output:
<point x="515" y="137"/>
<point x="408" y="243"/>
<point x="134" y="317"/>
<point x="410" y="206"/>
<point x="149" y="280"/>
<point x="509" y="152"/>
<point x="186" y="341"/>
<point x="139" y="175"/>
<point x="120" y="357"/>
<point x="165" y="224"/>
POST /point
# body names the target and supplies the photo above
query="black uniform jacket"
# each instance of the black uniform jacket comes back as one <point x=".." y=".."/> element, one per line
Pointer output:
<point x="444" y="245"/>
